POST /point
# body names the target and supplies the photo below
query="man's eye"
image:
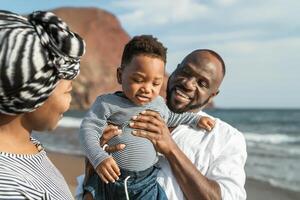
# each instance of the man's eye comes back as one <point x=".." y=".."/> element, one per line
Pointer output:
<point x="202" y="84"/>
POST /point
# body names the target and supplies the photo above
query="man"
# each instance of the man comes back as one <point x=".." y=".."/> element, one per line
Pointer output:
<point x="196" y="165"/>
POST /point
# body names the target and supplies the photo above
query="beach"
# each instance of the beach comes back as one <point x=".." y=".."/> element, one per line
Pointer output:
<point x="72" y="166"/>
<point x="69" y="165"/>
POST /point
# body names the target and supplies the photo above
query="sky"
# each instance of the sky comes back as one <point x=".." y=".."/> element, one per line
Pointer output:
<point x="259" y="40"/>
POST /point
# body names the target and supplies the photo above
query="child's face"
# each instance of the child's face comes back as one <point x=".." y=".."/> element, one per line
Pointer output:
<point x="142" y="79"/>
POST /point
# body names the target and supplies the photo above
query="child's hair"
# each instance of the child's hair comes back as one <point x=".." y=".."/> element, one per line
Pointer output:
<point x="143" y="45"/>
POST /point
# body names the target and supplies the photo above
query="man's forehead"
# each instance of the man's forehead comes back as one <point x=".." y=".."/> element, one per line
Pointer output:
<point x="207" y="67"/>
<point x="201" y="60"/>
<point x="195" y="64"/>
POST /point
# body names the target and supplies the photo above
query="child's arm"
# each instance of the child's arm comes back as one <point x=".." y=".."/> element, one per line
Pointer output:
<point x="91" y="130"/>
<point x="108" y="170"/>
<point x="192" y="119"/>
<point x="206" y="123"/>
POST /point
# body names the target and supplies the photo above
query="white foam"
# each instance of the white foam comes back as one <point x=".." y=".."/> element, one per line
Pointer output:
<point x="70" y="122"/>
<point x="273" y="138"/>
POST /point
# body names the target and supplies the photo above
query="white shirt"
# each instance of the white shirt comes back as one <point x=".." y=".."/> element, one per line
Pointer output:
<point x="219" y="155"/>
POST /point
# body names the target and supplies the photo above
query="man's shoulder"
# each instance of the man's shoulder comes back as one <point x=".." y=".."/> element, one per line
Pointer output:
<point x="224" y="126"/>
<point x="225" y="133"/>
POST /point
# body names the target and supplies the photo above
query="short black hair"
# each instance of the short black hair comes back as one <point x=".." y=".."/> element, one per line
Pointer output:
<point x="143" y="45"/>
<point x="216" y="55"/>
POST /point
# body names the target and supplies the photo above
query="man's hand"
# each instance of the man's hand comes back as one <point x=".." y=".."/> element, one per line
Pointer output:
<point x="150" y="125"/>
<point x="108" y="170"/>
<point x="109" y="132"/>
<point x="206" y="123"/>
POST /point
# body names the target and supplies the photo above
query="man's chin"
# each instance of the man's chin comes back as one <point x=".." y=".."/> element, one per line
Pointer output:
<point x="177" y="107"/>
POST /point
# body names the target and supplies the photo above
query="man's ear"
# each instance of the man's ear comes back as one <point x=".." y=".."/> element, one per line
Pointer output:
<point x="119" y="75"/>
<point x="216" y="93"/>
<point x="212" y="96"/>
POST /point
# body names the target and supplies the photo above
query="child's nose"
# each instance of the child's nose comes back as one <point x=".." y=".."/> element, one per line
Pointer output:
<point x="146" y="88"/>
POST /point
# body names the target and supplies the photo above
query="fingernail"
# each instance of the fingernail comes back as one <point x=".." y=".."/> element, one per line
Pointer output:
<point x="134" y="117"/>
<point x="119" y="131"/>
<point x="134" y="132"/>
<point x="143" y="112"/>
<point x="122" y="145"/>
<point x="131" y="124"/>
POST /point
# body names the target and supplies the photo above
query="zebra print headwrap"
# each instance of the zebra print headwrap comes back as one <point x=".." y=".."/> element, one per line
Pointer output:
<point x="34" y="54"/>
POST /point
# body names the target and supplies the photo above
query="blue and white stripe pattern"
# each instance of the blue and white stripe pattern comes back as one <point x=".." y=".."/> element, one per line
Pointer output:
<point x="117" y="109"/>
<point x="31" y="177"/>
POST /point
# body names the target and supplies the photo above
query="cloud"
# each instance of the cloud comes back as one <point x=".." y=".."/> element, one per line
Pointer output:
<point x="216" y="37"/>
<point x="157" y="12"/>
<point x="225" y="2"/>
<point x="207" y="14"/>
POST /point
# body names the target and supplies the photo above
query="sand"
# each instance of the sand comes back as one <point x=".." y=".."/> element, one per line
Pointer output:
<point x="73" y="166"/>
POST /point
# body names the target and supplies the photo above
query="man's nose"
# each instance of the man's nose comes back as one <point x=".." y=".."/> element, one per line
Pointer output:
<point x="190" y="83"/>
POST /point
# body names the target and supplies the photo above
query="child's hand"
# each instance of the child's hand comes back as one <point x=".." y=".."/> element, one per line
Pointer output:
<point x="108" y="170"/>
<point x="206" y="123"/>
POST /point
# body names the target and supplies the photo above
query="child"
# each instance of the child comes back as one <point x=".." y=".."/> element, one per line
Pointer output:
<point x="141" y="75"/>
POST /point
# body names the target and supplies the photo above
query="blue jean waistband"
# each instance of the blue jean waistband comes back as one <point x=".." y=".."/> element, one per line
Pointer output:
<point x="137" y="174"/>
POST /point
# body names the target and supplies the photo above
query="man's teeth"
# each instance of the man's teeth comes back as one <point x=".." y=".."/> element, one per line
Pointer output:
<point x="180" y="93"/>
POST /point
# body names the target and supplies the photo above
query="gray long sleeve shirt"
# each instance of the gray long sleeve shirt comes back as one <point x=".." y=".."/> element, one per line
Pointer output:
<point x="116" y="109"/>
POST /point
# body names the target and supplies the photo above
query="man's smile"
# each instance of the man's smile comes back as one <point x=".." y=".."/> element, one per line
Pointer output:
<point x="181" y="96"/>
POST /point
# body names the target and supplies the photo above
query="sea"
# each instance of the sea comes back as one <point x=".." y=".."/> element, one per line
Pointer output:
<point x="272" y="137"/>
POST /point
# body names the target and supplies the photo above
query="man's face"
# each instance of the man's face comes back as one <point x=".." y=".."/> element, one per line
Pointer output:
<point x="142" y="79"/>
<point x="194" y="83"/>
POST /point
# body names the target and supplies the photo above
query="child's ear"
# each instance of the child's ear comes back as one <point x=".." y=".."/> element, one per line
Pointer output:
<point x="119" y="75"/>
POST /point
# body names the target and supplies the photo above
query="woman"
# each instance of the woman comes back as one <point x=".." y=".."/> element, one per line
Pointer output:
<point x="39" y="57"/>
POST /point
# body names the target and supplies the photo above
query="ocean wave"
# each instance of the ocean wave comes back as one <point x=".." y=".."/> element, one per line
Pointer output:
<point x="273" y="138"/>
<point x="70" y="122"/>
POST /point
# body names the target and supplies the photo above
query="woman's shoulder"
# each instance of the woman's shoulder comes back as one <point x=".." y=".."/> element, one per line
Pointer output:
<point x="13" y="185"/>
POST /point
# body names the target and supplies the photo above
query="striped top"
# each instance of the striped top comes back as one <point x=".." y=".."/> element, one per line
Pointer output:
<point x="31" y="177"/>
<point x="117" y="109"/>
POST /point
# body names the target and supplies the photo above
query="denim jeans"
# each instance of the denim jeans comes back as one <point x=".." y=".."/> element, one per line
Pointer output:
<point x="141" y="185"/>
